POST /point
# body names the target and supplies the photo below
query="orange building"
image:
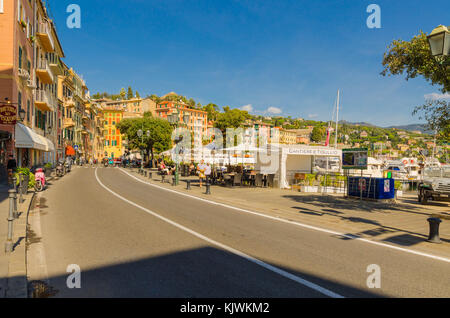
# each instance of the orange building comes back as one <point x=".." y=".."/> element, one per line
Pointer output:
<point x="197" y="120"/>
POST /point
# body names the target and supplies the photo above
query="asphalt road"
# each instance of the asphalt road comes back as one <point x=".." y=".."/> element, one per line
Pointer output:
<point x="135" y="240"/>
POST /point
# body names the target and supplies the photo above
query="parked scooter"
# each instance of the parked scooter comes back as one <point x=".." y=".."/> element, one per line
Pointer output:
<point x="60" y="169"/>
<point x="39" y="178"/>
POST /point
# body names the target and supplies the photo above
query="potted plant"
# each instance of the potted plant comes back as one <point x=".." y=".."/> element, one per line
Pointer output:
<point x="48" y="169"/>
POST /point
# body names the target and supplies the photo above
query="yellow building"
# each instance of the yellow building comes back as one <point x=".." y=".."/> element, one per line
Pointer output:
<point x="112" y="115"/>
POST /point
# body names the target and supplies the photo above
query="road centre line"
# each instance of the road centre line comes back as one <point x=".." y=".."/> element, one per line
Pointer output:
<point x="256" y="261"/>
<point x="315" y="228"/>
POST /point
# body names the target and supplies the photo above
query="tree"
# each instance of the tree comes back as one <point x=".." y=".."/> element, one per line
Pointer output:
<point x="317" y="134"/>
<point x="414" y="58"/>
<point x="160" y="138"/>
<point x="212" y="110"/>
<point x="137" y="95"/>
<point x="122" y="93"/>
<point x="154" y="98"/>
<point x="231" y="118"/>
<point x="437" y="114"/>
<point x="130" y="93"/>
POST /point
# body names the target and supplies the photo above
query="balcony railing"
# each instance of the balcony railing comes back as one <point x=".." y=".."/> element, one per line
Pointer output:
<point x="43" y="100"/>
<point x="44" y="72"/>
<point x="69" y="102"/>
<point x="23" y="73"/>
<point x="45" y="35"/>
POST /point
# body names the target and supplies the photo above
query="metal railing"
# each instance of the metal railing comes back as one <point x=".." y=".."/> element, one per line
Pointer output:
<point x="42" y="96"/>
<point x="44" y="28"/>
<point x="43" y="65"/>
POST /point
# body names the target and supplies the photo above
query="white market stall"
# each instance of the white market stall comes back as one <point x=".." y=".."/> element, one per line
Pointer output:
<point x="287" y="160"/>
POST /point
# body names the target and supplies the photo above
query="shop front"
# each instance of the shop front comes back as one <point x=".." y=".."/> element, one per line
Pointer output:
<point x="32" y="149"/>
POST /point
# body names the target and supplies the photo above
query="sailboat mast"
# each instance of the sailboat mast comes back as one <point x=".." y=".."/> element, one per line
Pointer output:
<point x="337" y="120"/>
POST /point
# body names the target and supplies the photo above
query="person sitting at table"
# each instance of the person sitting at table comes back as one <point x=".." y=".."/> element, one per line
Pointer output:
<point x="191" y="168"/>
<point x="163" y="168"/>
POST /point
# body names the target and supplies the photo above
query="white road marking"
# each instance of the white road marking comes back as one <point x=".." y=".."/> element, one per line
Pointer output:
<point x="311" y="227"/>
<point x="274" y="269"/>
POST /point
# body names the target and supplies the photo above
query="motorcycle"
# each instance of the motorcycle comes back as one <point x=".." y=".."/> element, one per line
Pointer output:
<point x="60" y="169"/>
<point x="67" y="167"/>
<point x="39" y="178"/>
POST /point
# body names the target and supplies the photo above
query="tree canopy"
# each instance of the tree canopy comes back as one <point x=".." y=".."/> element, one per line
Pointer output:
<point x="414" y="58"/>
<point x="231" y="118"/>
<point x="437" y="114"/>
<point x="159" y="138"/>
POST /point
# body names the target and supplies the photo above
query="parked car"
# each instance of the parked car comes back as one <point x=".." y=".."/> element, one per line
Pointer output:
<point x="435" y="185"/>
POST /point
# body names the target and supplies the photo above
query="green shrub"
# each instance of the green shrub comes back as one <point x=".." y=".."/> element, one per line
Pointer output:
<point x="27" y="172"/>
<point x="48" y="165"/>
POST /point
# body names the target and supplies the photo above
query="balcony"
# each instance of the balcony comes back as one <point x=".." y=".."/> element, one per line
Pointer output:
<point x="69" y="102"/>
<point x="68" y="123"/>
<point x="55" y="64"/>
<point x="23" y="74"/>
<point x="43" y="100"/>
<point x="45" y="36"/>
<point x="44" y="72"/>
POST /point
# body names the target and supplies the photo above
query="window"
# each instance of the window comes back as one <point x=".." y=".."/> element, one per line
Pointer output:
<point x="28" y="110"/>
<point x="19" y="100"/>
<point x="1" y="6"/>
<point x="20" y="57"/>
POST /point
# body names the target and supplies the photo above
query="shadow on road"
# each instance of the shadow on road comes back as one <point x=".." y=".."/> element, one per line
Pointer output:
<point x="203" y="272"/>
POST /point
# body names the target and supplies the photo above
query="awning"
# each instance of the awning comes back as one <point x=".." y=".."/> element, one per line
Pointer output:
<point x="27" y="138"/>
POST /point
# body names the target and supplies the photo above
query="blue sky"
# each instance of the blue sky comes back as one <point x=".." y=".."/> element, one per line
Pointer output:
<point x="288" y="56"/>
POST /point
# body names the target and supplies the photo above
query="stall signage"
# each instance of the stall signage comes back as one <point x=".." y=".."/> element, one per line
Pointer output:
<point x="354" y="158"/>
<point x="314" y="152"/>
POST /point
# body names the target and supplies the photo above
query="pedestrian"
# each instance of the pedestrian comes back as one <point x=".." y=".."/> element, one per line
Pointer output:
<point x="201" y="168"/>
<point x="11" y="167"/>
<point x="207" y="172"/>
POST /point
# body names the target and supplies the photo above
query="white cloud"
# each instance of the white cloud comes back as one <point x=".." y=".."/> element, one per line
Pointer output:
<point x="274" y="110"/>
<point x="247" y="108"/>
<point x="435" y="96"/>
<point x="312" y="115"/>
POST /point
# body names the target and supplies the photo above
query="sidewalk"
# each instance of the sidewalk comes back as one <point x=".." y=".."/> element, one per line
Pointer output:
<point x="13" y="281"/>
<point x="403" y="223"/>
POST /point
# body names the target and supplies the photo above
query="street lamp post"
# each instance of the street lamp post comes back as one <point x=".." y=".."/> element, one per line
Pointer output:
<point x="439" y="42"/>
<point x="140" y="133"/>
<point x="174" y="119"/>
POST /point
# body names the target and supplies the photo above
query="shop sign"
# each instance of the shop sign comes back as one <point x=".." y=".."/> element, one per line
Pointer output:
<point x="8" y="114"/>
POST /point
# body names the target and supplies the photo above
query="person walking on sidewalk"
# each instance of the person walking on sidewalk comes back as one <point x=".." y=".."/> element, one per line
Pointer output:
<point x="11" y="166"/>
<point x="207" y="172"/>
<point x="201" y="168"/>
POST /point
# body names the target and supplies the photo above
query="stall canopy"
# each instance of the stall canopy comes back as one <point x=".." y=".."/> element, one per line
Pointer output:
<point x="70" y="151"/>
<point x="27" y="138"/>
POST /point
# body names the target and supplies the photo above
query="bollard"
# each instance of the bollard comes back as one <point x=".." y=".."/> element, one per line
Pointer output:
<point x="145" y="173"/>
<point x="208" y="188"/>
<point x="20" y="188"/>
<point x="15" y="191"/>
<point x="15" y="212"/>
<point x="149" y="175"/>
<point x="163" y="178"/>
<point x="174" y="180"/>
<point x="9" y="242"/>
<point x="434" y="230"/>
<point x="188" y="184"/>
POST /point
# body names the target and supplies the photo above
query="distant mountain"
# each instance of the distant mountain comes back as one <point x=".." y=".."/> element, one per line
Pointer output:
<point x="411" y="127"/>
<point x="419" y="127"/>
<point x="356" y="124"/>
